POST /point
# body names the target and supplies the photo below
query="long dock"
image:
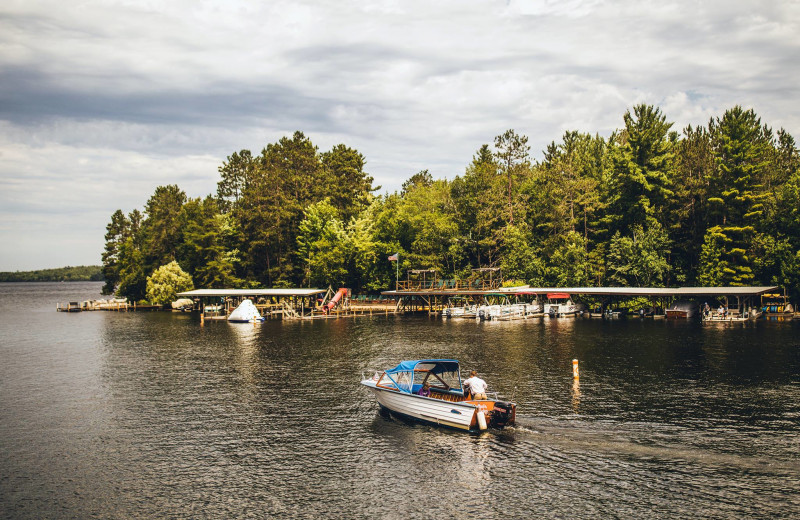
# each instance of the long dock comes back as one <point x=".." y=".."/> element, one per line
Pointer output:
<point x="114" y="304"/>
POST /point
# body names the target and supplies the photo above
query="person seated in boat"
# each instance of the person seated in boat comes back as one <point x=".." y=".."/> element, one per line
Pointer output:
<point x="475" y="386"/>
<point x="425" y="391"/>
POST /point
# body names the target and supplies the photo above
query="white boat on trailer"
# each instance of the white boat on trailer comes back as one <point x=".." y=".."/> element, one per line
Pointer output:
<point x="396" y="391"/>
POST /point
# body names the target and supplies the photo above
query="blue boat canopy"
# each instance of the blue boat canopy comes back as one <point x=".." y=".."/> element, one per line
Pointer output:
<point x="438" y="366"/>
<point x="408" y="375"/>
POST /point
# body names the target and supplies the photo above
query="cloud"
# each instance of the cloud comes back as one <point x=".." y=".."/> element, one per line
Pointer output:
<point x="104" y="100"/>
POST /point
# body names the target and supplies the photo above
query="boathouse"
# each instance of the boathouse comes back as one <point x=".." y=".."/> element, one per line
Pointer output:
<point x="287" y="303"/>
<point x="435" y="297"/>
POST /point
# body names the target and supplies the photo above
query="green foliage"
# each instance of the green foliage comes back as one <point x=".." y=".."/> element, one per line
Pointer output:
<point x="569" y="263"/>
<point x="687" y="211"/>
<point x="161" y="230"/>
<point x="132" y="274"/>
<point x="512" y="159"/>
<point x="478" y="208"/>
<point x="429" y="228"/>
<point x="116" y="232"/>
<point x="320" y="246"/>
<point x="520" y="260"/>
<point x="236" y="174"/>
<point x="639" y="260"/>
<point x="166" y="282"/>
<point x="350" y="187"/>
<point x="202" y="244"/>
<point x="642" y="167"/>
<point x="645" y="206"/>
<point x="81" y="273"/>
<point x="741" y="150"/>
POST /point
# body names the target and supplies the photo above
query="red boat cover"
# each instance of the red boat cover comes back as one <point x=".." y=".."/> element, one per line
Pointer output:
<point x="557" y="295"/>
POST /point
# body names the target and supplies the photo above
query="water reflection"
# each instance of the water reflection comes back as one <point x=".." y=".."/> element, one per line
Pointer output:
<point x="576" y="395"/>
<point x="226" y="420"/>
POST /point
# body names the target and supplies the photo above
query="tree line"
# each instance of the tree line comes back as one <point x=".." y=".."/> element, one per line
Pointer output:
<point x="81" y="273"/>
<point x="645" y="206"/>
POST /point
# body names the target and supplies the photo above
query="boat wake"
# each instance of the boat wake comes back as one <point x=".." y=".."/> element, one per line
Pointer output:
<point x="572" y="436"/>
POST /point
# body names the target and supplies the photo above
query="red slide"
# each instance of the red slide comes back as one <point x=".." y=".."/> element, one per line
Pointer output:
<point x="336" y="297"/>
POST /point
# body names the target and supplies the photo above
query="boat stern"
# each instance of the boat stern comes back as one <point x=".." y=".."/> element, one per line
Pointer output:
<point x="503" y="413"/>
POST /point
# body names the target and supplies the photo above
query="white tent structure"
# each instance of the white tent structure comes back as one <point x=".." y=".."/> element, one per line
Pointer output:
<point x="246" y="312"/>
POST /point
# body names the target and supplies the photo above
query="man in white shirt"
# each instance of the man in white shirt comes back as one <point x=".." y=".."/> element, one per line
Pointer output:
<point x="477" y="386"/>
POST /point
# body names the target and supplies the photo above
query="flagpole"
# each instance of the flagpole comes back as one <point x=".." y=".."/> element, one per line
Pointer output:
<point x="397" y="273"/>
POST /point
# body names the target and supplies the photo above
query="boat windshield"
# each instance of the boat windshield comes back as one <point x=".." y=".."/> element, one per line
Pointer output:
<point x="409" y="376"/>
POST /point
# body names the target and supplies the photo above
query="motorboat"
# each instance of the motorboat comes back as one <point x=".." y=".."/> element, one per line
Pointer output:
<point x="488" y="312"/>
<point x="510" y="311"/>
<point x="560" y="305"/>
<point x="616" y="313"/>
<point x="682" y="309"/>
<point x="71" y="307"/>
<point x="448" y="405"/>
<point x="467" y="311"/>
<point x="246" y="312"/>
<point x="507" y="310"/>
<point x="183" y="304"/>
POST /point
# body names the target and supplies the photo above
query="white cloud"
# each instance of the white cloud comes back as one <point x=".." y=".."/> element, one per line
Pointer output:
<point x="102" y="101"/>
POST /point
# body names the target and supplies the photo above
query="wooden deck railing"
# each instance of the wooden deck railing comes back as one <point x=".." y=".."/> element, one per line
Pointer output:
<point x="448" y="285"/>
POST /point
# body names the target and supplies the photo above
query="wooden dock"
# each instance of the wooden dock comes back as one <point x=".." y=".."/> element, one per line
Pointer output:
<point x="117" y="305"/>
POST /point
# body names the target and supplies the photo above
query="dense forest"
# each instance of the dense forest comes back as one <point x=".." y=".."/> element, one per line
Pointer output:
<point x="645" y="206"/>
<point x="81" y="273"/>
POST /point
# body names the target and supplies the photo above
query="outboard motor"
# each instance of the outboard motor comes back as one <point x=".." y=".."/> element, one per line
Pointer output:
<point x="502" y="414"/>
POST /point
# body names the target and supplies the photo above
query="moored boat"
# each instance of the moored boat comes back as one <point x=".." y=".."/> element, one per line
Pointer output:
<point x="71" y="307"/>
<point x="396" y="391"/>
<point x="467" y="311"/>
<point x="246" y="312"/>
<point x="682" y="309"/>
<point x="560" y="305"/>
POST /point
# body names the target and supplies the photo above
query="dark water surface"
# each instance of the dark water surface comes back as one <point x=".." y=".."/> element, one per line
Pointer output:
<point x="150" y="415"/>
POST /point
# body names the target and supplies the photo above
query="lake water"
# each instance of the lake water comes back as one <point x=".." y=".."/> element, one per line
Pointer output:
<point x="150" y="415"/>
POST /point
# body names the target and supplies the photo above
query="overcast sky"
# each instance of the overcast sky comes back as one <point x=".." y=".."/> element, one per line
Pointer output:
<point x="102" y="101"/>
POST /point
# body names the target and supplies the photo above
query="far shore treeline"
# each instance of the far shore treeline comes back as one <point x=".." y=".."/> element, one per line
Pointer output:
<point x="81" y="273"/>
<point x="645" y="206"/>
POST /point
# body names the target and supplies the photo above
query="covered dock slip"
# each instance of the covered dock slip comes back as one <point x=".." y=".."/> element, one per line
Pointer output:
<point x="738" y="300"/>
<point x="287" y="303"/>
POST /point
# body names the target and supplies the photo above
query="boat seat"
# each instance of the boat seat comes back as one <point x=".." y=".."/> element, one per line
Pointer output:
<point x="446" y="396"/>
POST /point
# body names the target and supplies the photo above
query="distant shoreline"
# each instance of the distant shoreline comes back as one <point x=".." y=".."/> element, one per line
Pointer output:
<point x="82" y="273"/>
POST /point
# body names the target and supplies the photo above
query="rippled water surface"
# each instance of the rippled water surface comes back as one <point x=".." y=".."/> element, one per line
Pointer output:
<point x="150" y="415"/>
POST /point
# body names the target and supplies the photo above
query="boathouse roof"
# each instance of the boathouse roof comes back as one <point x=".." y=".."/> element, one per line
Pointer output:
<point x="600" y="291"/>
<point x="250" y="292"/>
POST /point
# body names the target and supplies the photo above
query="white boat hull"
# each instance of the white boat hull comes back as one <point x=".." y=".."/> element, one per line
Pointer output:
<point x="513" y="311"/>
<point x="460" y="312"/>
<point x="461" y="415"/>
<point x="564" y="309"/>
<point x="246" y="312"/>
